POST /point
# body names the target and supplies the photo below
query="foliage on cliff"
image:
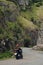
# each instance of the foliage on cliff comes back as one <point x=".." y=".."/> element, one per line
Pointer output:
<point x="19" y="21"/>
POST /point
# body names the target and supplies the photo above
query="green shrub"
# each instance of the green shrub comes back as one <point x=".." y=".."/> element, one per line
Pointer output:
<point x="39" y="4"/>
<point x="5" y="55"/>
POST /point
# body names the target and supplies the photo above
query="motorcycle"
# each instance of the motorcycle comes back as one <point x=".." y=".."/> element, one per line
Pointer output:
<point x="18" y="54"/>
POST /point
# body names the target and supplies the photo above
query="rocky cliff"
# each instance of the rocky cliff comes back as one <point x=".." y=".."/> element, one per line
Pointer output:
<point x="16" y="27"/>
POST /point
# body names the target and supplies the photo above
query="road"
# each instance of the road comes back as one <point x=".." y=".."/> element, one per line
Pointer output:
<point x="31" y="57"/>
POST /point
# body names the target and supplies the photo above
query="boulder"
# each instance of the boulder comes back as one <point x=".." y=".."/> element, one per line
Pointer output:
<point x="38" y="47"/>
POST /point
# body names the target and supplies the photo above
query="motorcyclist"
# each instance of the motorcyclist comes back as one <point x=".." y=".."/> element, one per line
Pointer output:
<point x="18" y="52"/>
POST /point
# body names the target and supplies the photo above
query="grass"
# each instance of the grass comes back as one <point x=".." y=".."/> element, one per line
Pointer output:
<point x="29" y="14"/>
<point x="26" y="23"/>
<point x="40" y="12"/>
<point x="36" y="13"/>
<point x="5" y="55"/>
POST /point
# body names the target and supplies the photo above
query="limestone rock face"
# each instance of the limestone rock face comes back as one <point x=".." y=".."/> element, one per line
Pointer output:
<point x="23" y="2"/>
<point x="40" y="35"/>
<point x="39" y="45"/>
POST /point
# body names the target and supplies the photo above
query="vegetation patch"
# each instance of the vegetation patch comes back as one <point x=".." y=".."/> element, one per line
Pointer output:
<point x="5" y="55"/>
<point x="27" y="24"/>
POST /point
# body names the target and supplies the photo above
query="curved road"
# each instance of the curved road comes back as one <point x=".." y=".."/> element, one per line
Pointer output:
<point x="31" y="57"/>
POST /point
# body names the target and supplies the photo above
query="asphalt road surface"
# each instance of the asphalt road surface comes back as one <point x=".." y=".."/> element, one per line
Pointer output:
<point x="31" y="57"/>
